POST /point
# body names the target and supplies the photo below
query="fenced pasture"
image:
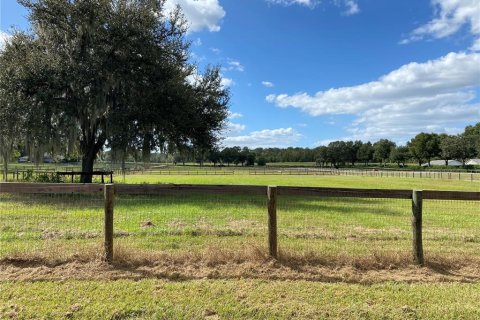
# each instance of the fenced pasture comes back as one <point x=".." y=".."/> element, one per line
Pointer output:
<point x="326" y="226"/>
<point x="65" y="173"/>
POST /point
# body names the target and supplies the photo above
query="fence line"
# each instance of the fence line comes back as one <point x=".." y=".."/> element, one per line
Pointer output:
<point x="21" y="174"/>
<point x="153" y="189"/>
<point x="271" y="192"/>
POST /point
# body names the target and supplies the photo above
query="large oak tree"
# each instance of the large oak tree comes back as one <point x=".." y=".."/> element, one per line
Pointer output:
<point x="116" y="73"/>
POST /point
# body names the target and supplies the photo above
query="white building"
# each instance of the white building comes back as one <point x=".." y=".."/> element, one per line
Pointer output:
<point x="473" y="162"/>
<point x="451" y="163"/>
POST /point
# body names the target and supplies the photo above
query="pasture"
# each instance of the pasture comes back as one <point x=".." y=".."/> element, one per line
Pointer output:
<point x="188" y="255"/>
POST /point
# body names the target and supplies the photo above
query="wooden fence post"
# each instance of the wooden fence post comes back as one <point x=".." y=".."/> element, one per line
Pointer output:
<point x="109" y="191"/>
<point x="417" y="204"/>
<point x="272" y="220"/>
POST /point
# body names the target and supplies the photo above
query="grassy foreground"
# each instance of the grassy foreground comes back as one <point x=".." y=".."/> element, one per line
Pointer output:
<point x="236" y="299"/>
<point x="310" y="181"/>
<point x="334" y="229"/>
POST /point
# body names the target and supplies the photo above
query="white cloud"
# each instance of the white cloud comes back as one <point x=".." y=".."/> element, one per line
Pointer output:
<point x="200" y="14"/>
<point x="352" y="8"/>
<point x="450" y="17"/>
<point x="235" y="65"/>
<point x="233" y="129"/>
<point x="198" y="42"/>
<point x="215" y="50"/>
<point x="234" y="115"/>
<point x="4" y="37"/>
<point x="282" y="137"/>
<point x="416" y="97"/>
<point x="476" y="45"/>
<point x="227" y="82"/>
<point x="306" y="3"/>
<point x="268" y="84"/>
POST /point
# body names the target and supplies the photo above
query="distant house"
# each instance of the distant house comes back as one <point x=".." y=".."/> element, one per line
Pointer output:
<point x="473" y="162"/>
<point x="451" y="163"/>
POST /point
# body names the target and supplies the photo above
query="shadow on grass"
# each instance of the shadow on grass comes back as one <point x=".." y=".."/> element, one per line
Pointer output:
<point x="212" y="204"/>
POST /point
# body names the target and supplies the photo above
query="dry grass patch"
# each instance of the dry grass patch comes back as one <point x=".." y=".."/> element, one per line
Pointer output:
<point x="252" y="262"/>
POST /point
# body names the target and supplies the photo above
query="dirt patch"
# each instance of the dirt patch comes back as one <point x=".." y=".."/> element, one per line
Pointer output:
<point x="147" y="224"/>
<point x="216" y="264"/>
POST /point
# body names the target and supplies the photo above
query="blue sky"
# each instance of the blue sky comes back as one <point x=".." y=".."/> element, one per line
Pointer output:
<point x="306" y="72"/>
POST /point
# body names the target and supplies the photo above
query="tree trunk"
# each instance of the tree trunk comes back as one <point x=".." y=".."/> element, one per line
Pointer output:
<point x="90" y="146"/>
<point x="87" y="167"/>
<point x="6" y="156"/>
<point x="5" y="168"/>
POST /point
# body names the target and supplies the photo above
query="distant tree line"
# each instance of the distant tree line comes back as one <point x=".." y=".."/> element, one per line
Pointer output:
<point x="422" y="148"/>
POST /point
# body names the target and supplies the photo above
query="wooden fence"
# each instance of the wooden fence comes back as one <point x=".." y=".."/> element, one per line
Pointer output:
<point x="271" y="192"/>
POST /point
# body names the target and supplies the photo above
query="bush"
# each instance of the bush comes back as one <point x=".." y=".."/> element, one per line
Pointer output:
<point x="261" y="162"/>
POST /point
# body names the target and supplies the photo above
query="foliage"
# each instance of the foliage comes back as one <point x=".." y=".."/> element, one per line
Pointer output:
<point x="382" y="149"/>
<point x="116" y="73"/>
<point x="400" y="155"/>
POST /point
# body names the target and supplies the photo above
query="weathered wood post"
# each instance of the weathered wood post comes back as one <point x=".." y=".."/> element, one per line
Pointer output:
<point x="272" y="221"/>
<point x="109" y="192"/>
<point x="417" y="204"/>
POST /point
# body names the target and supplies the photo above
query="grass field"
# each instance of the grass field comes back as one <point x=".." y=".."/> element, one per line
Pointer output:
<point x="236" y="299"/>
<point x="317" y="181"/>
<point x="191" y="256"/>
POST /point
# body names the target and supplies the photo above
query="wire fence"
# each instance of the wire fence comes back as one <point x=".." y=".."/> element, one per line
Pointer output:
<point x="343" y="229"/>
<point x="53" y="226"/>
<point x="218" y="223"/>
<point x="189" y="224"/>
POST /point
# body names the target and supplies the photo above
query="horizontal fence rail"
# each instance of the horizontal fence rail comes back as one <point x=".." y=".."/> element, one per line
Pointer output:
<point x="13" y="187"/>
<point x="153" y="189"/>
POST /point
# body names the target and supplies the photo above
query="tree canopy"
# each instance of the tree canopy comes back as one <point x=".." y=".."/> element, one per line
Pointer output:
<point x="111" y="73"/>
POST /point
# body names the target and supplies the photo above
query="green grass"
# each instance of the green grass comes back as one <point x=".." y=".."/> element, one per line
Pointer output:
<point x="236" y="299"/>
<point x="335" y="229"/>
<point x="299" y="180"/>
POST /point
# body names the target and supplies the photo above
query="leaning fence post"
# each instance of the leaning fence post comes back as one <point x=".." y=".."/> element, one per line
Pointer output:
<point x="108" y="223"/>
<point x="272" y="220"/>
<point x="417" y="203"/>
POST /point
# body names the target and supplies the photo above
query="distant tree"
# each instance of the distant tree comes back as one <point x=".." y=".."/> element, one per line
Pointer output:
<point x="465" y="148"/>
<point x="382" y="150"/>
<point x="365" y="152"/>
<point x="400" y="155"/>
<point x="473" y="134"/>
<point x="228" y="155"/>
<point x="214" y="156"/>
<point x="449" y="148"/>
<point x="321" y="155"/>
<point x="250" y="159"/>
<point x="352" y="150"/>
<point x="261" y="162"/>
<point x="424" y="146"/>
<point x="337" y="153"/>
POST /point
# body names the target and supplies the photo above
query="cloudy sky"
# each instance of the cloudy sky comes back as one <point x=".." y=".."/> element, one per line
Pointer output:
<point x="306" y="72"/>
